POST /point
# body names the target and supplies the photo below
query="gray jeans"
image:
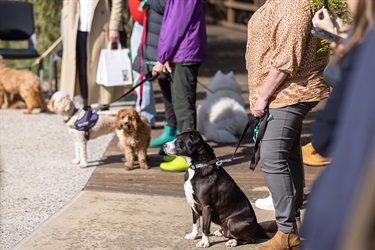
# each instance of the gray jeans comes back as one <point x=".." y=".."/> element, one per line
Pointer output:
<point x="282" y="163"/>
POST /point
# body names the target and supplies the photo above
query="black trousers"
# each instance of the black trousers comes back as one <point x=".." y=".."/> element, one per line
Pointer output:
<point x="184" y="95"/>
<point x="81" y="53"/>
<point x="165" y="87"/>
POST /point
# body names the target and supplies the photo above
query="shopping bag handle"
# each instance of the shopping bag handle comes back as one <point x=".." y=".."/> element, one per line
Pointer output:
<point x="118" y="45"/>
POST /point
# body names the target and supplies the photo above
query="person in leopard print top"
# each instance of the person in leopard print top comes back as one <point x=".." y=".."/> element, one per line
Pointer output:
<point x="285" y="75"/>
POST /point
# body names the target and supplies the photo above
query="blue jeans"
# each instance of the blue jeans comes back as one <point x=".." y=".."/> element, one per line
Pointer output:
<point x="146" y="103"/>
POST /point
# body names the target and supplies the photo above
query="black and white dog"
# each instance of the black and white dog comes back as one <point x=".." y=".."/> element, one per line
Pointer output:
<point x="213" y="194"/>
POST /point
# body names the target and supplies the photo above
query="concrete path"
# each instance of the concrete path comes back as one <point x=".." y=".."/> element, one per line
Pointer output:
<point x="105" y="220"/>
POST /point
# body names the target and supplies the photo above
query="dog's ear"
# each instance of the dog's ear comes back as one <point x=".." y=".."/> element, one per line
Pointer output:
<point x="51" y="105"/>
<point x="144" y="120"/>
<point x="66" y="104"/>
<point x="195" y="136"/>
<point x="118" y="120"/>
<point x="137" y="119"/>
<point x="192" y="143"/>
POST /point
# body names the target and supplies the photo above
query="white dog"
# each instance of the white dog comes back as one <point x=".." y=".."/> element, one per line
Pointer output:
<point x="61" y="104"/>
<point x="222" y="116"/>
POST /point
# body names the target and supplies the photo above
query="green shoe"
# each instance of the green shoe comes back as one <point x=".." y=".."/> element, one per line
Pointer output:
<point x="169" y="158"/>
<point x="176" y="165"/>
<point x="169" y="133"/>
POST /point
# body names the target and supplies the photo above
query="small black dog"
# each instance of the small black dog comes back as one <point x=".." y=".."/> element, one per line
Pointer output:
<point x="213" y="194"/>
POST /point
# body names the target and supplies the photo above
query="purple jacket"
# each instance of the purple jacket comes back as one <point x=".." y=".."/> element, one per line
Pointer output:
<point x="183" y="32"/>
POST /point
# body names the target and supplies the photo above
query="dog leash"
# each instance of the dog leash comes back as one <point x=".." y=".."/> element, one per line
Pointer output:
<point x="205" y="87"/>
<point x="148" y="77"/>
<point x="261" y="123"/>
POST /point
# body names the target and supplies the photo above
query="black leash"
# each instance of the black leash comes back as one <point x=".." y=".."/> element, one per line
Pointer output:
<point x="148" y="77"/>
<point x="205" y="87"/>
<point x="262" y="129"/>
<point x="256" y="154"/>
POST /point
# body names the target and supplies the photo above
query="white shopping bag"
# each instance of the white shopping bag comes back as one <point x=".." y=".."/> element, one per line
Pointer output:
<point x="115" y="67"/>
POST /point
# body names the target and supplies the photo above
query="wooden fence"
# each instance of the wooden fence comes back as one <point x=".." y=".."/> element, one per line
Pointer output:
<point x="233" y="14"/>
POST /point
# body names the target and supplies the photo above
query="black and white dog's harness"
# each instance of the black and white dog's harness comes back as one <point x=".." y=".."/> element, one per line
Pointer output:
<point x="216" y="161"/>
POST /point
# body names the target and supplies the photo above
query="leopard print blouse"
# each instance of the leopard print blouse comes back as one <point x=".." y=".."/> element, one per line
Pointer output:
<point x="279" y="36"/>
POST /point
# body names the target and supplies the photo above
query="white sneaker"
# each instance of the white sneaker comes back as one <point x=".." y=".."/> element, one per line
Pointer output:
<point x="265" y="204"/>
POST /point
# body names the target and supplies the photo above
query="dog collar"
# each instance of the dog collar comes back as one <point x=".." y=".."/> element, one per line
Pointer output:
<point x="70" y="116"/>
<point x="216" y="161"/>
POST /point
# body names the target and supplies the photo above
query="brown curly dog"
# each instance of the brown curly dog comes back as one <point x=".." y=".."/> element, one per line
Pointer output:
<point x="134" y="135"/>
<point x="22" y="82"/>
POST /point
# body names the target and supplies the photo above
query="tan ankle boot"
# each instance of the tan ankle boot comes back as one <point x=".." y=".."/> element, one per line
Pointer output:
<point x="281" y="241"/>
<point x="312" y="158"/>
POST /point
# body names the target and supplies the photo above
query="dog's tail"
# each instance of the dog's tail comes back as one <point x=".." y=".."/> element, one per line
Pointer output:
<point x="260" y="233"/>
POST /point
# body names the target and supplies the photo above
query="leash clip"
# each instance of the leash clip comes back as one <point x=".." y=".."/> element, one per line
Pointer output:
<point x="219" y="162"/>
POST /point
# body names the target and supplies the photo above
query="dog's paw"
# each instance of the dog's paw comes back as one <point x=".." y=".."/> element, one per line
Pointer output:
<point x="203" y="244"/>
<point x="191" y="236"/>
<point x="218" y="233"/>
<point x="231" y="243"/>
<point x="83" y="165"/>
<point x="128" y="166"/>
<point x="144" y="166"/>
<point x="75" y="161"/>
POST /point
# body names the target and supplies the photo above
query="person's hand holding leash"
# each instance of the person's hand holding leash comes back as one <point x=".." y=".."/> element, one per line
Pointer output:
<point x="274" y="79"/>
<point x="161" y="68"/>
<point x="157" y="69"/>
<point x="167" y="68"/>
<point x="260" y="107"/>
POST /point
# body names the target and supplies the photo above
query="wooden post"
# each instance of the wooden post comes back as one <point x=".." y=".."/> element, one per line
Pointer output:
<point x="231" y="13"/>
